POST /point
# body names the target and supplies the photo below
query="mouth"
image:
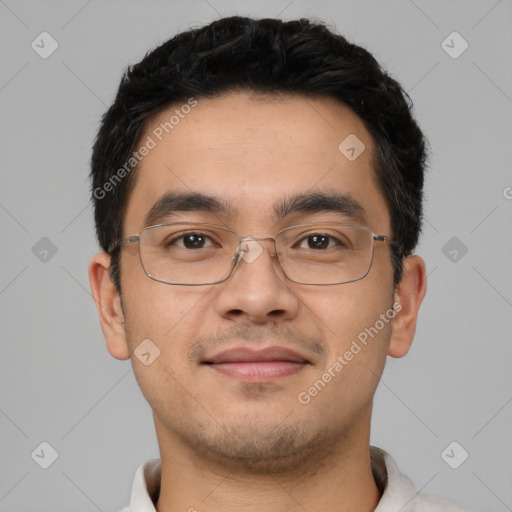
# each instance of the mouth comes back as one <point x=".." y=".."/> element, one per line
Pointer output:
<point x="257" y="365"/>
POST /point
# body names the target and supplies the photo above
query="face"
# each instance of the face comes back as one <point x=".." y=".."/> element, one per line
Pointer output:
<point x="252" y="153"/>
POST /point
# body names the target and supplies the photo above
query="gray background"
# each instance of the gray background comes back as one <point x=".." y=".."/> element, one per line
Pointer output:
<point x="58" y="382"/>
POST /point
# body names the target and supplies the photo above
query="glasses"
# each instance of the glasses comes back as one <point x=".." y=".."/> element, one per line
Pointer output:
<point x="194" y="253"/>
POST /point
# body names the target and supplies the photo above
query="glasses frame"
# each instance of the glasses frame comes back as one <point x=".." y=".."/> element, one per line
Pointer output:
<point x="237" y="256"/>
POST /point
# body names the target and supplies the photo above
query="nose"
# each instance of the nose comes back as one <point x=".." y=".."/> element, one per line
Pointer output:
<point x="257" y="290"/>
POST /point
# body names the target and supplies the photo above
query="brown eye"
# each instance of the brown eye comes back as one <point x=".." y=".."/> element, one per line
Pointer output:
<point x="318" y="241"/>
<point x="190" y="241"/>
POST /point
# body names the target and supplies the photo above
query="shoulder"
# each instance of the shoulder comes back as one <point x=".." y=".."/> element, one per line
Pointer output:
<point x="430" y="503"/>
<point x="398" y="491"/>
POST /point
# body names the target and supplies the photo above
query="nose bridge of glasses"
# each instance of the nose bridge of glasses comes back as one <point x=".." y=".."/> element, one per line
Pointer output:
<point x="250" y="248"/>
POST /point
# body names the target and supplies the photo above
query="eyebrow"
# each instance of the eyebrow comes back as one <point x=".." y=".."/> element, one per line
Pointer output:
<point x="173" y="203"/>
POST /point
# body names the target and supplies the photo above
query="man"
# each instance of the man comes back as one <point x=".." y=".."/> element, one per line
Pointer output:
<point x="258" y="196"/>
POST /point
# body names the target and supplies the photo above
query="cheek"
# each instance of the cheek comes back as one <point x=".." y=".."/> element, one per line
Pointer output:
<point x="154" y="309"/>
<point x="162" y="314"/>
<point x="162" y="323"/>
<point x="356" y="340"/>
<point x="168" y="315"/>
<point x="346" y="312"/>
<point x="171" y="317"/>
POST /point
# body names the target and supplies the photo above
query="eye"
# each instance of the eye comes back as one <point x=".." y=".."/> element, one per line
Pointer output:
<point x="191" y="241"/>
<point x="319" y="241"/>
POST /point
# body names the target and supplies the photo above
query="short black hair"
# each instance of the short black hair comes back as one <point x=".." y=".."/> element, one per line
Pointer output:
<point x="268" y="56"/>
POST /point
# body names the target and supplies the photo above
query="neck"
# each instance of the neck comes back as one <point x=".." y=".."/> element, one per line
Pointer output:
<point x="340" y="480"/>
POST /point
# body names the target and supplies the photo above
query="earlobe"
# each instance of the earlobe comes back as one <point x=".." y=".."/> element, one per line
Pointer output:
<point x="408" y="298"/>
<point x="108" y="305"/>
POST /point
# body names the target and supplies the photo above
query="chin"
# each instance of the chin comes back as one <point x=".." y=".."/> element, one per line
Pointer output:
<point x="264" y="447"/>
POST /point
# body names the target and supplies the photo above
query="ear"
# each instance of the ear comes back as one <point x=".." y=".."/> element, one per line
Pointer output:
<point x="408" y="297"/>
<point x="108" y="304"/>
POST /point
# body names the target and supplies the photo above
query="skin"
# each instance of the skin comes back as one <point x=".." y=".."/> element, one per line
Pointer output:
<point x="227" y="445"/>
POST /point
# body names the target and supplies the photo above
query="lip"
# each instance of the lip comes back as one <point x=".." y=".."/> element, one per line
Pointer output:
<point x="244" y="355"/>
<point x="257" y="365"/>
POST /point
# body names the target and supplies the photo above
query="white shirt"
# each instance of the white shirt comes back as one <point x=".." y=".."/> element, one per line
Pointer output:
<point x="398" y="494"/>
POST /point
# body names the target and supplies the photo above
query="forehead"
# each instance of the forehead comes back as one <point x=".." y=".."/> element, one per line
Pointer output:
<point x="252" y="152"/>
